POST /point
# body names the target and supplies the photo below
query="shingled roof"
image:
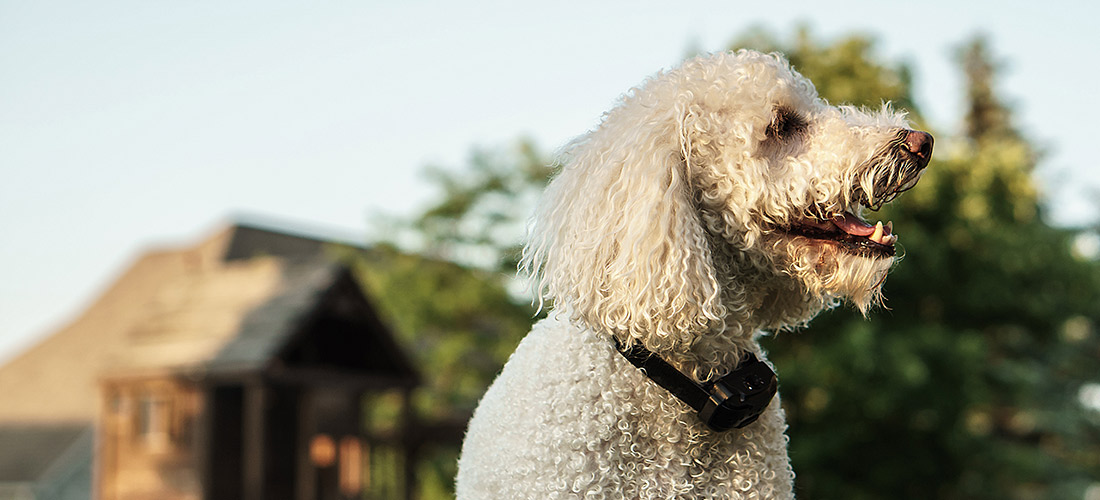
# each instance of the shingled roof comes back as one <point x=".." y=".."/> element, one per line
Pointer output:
<point x="190" y="308"/>
<point x="207" y="317"/>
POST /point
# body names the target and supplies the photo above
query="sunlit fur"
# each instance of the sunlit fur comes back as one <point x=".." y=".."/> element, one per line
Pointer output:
<point x="665" y="226"/>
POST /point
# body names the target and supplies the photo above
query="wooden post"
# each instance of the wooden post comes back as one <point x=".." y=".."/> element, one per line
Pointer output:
<point x="307" y="426"/>
<point x="253" y="467"/>
<point x="204" y="449"/>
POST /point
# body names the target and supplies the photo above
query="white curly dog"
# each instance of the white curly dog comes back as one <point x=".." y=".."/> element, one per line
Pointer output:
<point x="716" y="202"/>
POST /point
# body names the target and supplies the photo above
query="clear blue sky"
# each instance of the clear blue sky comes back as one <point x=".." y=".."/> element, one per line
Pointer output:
<point x="132" y="123"/>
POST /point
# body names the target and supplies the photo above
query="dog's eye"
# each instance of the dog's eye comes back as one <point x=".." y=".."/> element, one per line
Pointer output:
<point x="786" y="124"/>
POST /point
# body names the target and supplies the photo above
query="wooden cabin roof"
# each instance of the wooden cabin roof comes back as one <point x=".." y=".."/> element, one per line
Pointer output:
<point x="206" y="316"/>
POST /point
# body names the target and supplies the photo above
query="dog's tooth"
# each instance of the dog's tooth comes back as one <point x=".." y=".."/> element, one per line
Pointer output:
<point x="877" y="235"/>
<point x="889" y="239"/>
<point x="890" y="227"/>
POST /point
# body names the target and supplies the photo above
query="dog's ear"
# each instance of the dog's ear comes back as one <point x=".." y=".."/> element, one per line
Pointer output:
<point x="616" y="240"/>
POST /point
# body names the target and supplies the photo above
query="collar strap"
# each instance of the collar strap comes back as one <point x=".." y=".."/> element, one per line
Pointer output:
<point x="735" y="400"/>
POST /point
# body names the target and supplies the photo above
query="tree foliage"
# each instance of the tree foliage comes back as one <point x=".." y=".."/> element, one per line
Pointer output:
<point x="968" y="385"/>
<point x="845" y="71"/>
<point x="459" y="325"/>
<point x="987" y="118"/>
<point x="480" y="218"/>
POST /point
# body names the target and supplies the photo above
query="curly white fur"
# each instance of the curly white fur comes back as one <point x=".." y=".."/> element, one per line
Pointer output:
<point x="667" y="225"/>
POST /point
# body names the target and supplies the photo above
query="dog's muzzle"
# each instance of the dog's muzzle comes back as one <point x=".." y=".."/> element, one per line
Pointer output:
<point x="733" y="401"/>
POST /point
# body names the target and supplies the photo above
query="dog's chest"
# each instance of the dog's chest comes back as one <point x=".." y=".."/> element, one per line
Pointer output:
<point x="589" y="421"/>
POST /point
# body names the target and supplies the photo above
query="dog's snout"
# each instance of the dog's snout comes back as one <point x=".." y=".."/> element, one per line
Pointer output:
<point x="919" y="144"/>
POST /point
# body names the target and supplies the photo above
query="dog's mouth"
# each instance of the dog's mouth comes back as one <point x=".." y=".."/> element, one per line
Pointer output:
<point x="850" y="232"/>
<point x="895" y="169"/>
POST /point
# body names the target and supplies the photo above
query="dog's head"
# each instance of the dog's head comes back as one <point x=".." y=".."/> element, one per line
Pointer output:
<point x="724" y="188"/>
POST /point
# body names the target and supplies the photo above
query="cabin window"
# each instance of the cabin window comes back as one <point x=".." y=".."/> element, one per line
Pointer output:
<point x="153" y="421"/>
<point x="118" y="404"/>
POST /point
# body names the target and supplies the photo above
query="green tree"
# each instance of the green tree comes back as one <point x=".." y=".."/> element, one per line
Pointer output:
<point x="447" y="294"/>
<point x="845" y="71"/>
<point x="459" y="325"/>
<point x="481" y="216"/>
<point x="986" y="116"/>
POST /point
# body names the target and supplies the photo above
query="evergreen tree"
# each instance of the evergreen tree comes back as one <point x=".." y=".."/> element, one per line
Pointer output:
<point x="986" y="116"/>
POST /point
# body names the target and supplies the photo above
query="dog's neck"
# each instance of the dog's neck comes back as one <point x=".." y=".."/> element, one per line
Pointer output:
<point x="774" y="303"/>
<point x="759" y="292"/>
<point x="756" y="298"/>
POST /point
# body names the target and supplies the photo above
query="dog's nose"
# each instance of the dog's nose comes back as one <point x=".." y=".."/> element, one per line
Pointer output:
<point x="919" y="144"/>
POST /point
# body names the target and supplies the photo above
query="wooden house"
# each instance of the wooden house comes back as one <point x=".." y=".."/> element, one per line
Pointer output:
<point x="232" y="369"/>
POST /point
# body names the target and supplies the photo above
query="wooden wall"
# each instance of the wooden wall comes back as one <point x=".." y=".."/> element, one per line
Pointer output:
<point x="148" y="441"/>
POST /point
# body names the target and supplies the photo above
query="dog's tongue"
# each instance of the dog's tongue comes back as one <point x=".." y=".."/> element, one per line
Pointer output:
<point x="853" y="225"/>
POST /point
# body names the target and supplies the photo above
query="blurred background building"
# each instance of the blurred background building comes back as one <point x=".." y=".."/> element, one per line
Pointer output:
<point x="236" y="368"/>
